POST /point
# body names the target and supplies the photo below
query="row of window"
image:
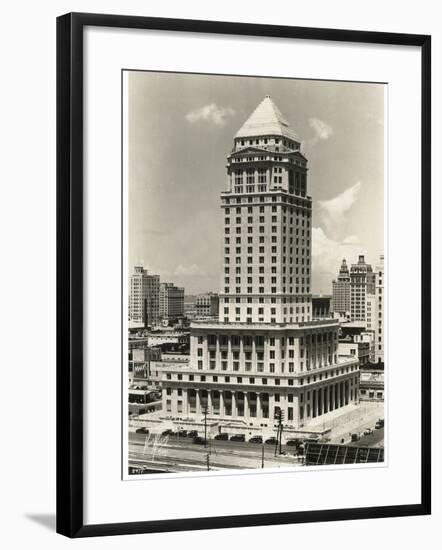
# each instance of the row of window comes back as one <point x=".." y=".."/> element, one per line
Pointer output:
<point x="262" y="219"/>
<point x="248" y="340"/>
<point x="261" y="210"/>
<point x="262" y="381"/>
<point x="283" y="200"/>
<point x="268" y="141"/>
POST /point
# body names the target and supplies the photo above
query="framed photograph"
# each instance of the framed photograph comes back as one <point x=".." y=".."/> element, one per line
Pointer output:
<point x="243" y="284"/>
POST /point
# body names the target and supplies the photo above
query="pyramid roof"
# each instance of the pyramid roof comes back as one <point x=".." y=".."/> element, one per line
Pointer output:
<point x="266" y="120"/>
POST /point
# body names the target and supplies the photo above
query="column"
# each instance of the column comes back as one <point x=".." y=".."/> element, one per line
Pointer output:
<point x="185" y="402"/>
<point x="258" y="406"/>
<point x="233" y="404"/>
<point x="221" y="403"/>
<point x="271" y="406"/>
<point x="209" y="402"/>
<point x="241" y="352"/>
<point x="254" y="358"/>
<point x="197" y="402"/>
<point x="217" y="352"/>
<point x="325" y="399"/>
<point x="246" y="405"/>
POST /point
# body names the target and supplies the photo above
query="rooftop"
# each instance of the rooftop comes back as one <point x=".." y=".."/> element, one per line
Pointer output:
<point x="266" y="120"/>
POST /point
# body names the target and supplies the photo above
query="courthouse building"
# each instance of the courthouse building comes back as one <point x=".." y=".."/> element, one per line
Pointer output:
<point x="265" y="353"/>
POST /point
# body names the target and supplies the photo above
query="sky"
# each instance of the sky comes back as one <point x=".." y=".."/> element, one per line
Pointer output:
<point x="181" y="129"/>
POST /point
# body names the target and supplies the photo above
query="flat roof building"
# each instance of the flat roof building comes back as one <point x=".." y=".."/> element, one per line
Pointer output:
<point x="171" y="301"/>
<point x="144" y="297"/>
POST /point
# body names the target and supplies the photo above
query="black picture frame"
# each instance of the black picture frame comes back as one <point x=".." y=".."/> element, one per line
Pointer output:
<point x="70" y="273"/>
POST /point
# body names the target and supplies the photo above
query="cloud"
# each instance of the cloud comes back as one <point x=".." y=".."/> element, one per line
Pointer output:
<point x="322" y="130"/>
<point x="327" y="255"/>
<point x="210" y="113"/>
<point x="332" y="211"/>
<point x="189" y="271"/>
<point x="350" y="241"/>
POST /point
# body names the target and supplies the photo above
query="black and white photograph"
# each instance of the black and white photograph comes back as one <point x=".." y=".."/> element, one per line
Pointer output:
<point x="255" y="320"/>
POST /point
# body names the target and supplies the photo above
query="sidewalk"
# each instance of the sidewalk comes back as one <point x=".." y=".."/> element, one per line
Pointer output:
<point x="353" y="420"/>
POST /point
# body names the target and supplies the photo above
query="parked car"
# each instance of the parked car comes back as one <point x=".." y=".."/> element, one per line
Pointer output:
<point x="222" y="437"/>
<point x="192" y="433"/>
<point x="255" y="439"/>
<point x="293" y="442"/>
<point x="355" y="437"/>
<point x="271" y="441"/>
<point x="199" y="440"/>
<point x="182" y="433"/>
<point x="368" y="431"/>
<point x="312" y="439"/>
<point x="238" y="437"/>
<point x="379" y="424"/>
<point x="167" y="432"/>
<point x="142" y="430"/>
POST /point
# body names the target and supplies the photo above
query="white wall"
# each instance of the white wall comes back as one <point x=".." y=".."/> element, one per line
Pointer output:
<point x="27" y="124"/>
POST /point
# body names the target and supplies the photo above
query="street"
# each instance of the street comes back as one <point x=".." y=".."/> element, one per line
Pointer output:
<point x="181" y="454"/>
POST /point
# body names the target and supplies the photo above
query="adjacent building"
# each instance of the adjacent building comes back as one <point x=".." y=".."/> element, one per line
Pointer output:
<point x="171" y="301"/>
<point x="265" y="354"/>
<point x="341" y="291"/>
<point x="361" y="284"/>
<point x="356" y="346"/>
<point x="372" y="385"/>
<point x="376" y="311"/>
<point x="322" y="306"/>
<point x="144" y="297"/>
<point x="207" y="305"/>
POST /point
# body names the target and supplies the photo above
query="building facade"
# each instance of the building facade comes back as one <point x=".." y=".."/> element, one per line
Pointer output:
<point x="321" y="307"/>
<point x="171" y="301"/>
<point x="207" y="305"/>
<point x="341" y="290"/>
<point x="361" y="285"/>
<point x="372" y="385"/>
<point x="376" y="311"/>
<point x="265" y="354"/>
<point x="144" y="297"/>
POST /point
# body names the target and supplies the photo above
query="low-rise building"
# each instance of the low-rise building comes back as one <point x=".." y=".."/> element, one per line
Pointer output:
<point x="248" y="373"/>
<point x="355" y="347"/>
<point x="372" y="383"/>
<point x="207" y="306"/>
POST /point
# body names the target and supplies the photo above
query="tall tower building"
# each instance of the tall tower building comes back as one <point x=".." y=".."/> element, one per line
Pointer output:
<point x="267" y="224"/>
<point x="264" y="354"/>
<point x="341" y="290"/>
<point x="144" y="291"/>
<point x="361" y="284"/>
<point x="376" y="311"/>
